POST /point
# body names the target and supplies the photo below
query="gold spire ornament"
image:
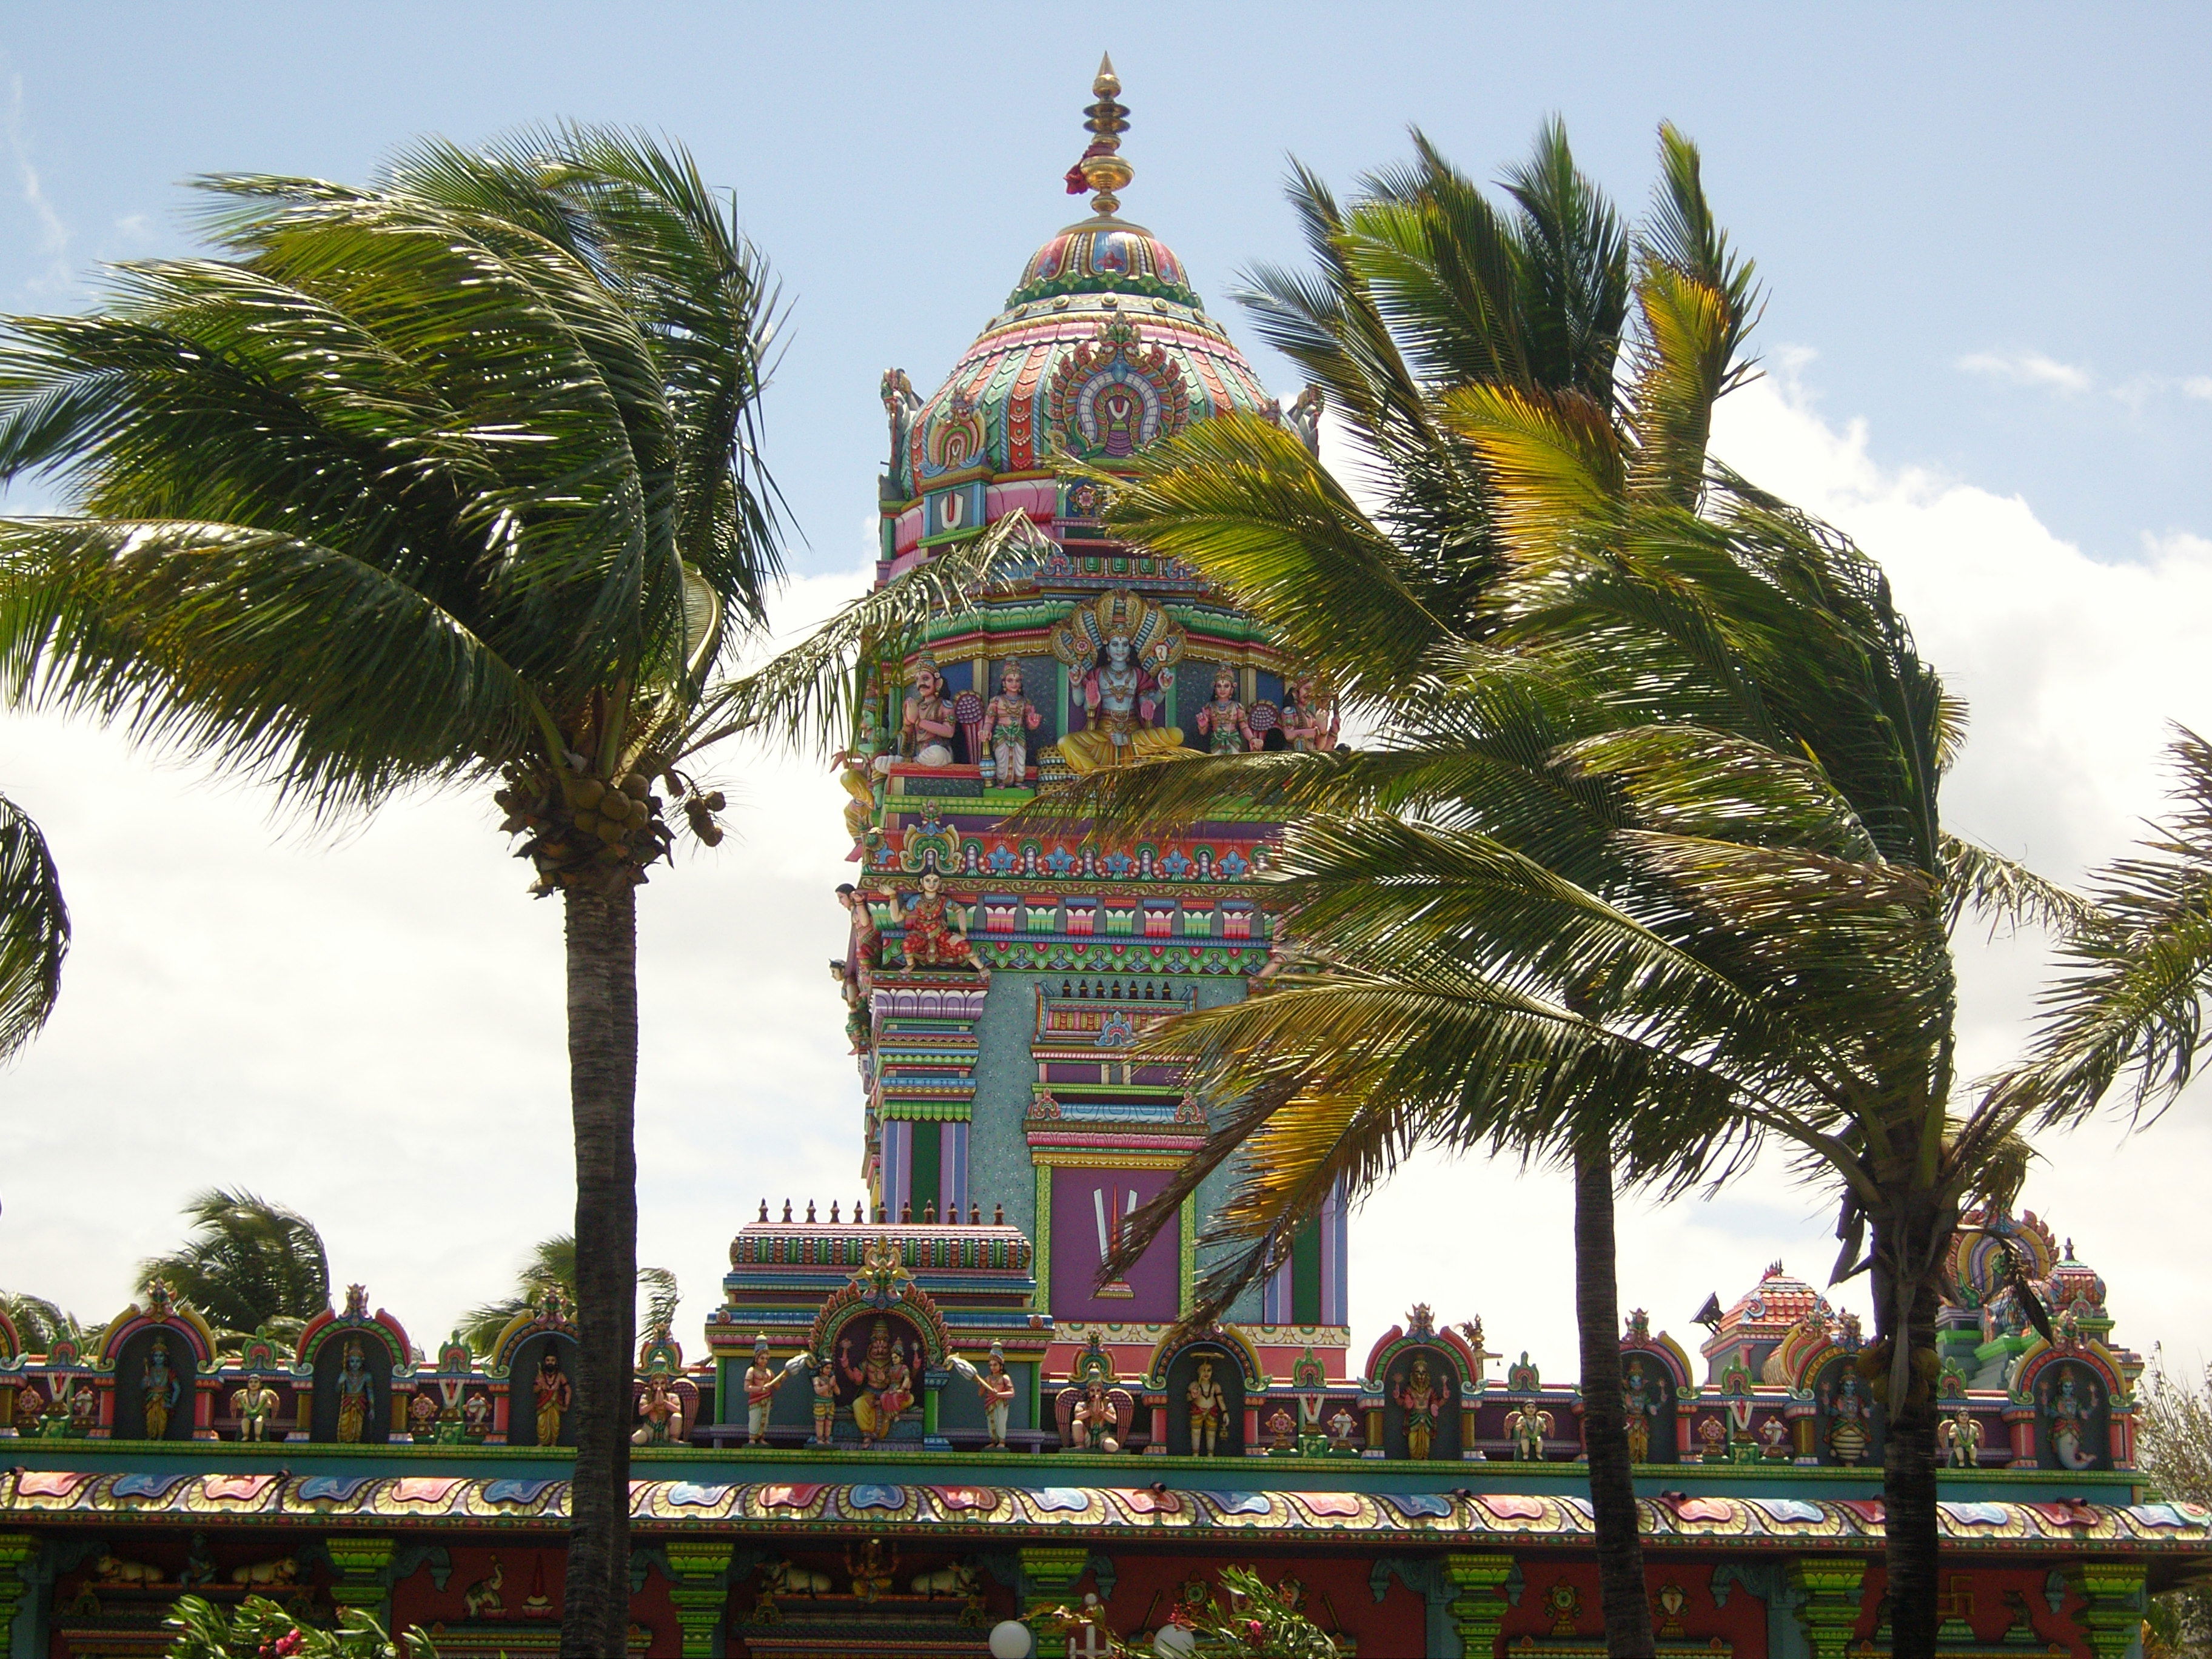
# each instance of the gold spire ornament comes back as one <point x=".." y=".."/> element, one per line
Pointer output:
<point x="1101" y="169"/>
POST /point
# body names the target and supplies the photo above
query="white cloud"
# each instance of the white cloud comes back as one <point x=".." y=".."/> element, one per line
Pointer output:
<point x="2028" y="368"/>
<point x="372" y="1030"/>
<point x="53" y="235"/>
<point x="2198" y="386"/>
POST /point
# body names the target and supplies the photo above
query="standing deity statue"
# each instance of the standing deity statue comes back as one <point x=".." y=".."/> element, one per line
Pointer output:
<point x="1639" y="1402"/>
<point x="760" y="1380"/>
<point x="825" y="1402"/>
<point x="997" y="1389"/>
<point x="1528" y="1423"/>
<point x="254" y="1406"/>
<point x="160" y="1388"/>
<point x="1224" y="719"/>
<point x="937" y="930"/>
<point x="553" y="1395"/>
<point x="1010" y="717"/>
<point x="355" y="1390"/>
<point x="1422" y="1400"/>
<point x="1851" y="1419"/>
<point x="1960" y="1438"/>
<point x="1309" y="723"/>
<point x="1209" y="1411"/>
<point x="886" y="1382"/>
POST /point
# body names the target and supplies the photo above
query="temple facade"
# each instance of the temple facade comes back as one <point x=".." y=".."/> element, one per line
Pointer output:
<point x="919" y="1414"/>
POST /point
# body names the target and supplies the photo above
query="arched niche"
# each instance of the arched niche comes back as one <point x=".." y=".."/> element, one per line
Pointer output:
<point x="526" y="1364"/>
<point x="1229" y="1374"/>
<point x="2073" y="1423"/>
<point x="352" y="1365"/>
<point x="138" y="1367"/>
<point x="1422" y="1377"/>
<point x="1846" y="1405"/>
<point x="1649" y="1379"/>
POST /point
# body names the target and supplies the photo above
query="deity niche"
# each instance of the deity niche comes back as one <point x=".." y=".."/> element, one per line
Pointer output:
<point x="356" y="1391"/>
<point x="153" y="1388"/>
<point x="878" y="1367"/>
<point x="351" y="1401"/>
<point x="1849" y="1429"/>
<point x="926" y="719"/>
<point x="1420" y="1410"/>
<point x="2071" y="1405"/>
<point x="1206" y="1403"/>
<point x="1120" y="652"/>
<point x="160" y="1389"/>
<point x="541" y="1392"/>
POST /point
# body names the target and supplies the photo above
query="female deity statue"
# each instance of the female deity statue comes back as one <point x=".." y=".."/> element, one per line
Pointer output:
<point x="1120" y="708"/>
<point x="1849" y="1421"/>
<point x="1223" y="719"/>
<point x="1010" y="717"/>
<point x="761" y="1380"/>
<point x="253" y="1406"/>
<point x="553" y="1393"/>
<point x="159" y="1388"/>
<point x="1209" y="1411"/>
<point x="1422" y="1400"/>
<point x="998" y="1391"/>
<point x="1639" y="1404"/>
<point x="925" y="726"/>
<point x="886" y="1383"/>
<point x="355" y="1393"/>
<point x="937" y="930"/>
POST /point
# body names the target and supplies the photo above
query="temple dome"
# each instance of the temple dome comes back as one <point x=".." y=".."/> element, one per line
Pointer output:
<point x="1103" y="347"/>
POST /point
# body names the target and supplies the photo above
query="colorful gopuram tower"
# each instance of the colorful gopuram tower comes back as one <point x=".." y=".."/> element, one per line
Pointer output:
<point x="998" y="977"/>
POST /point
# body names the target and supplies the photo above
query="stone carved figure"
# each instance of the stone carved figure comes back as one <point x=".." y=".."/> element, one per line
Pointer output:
<point x="475" y="1415"/>
<point x="825" y="1403"/>
<point x="937" y="929"/>
<point x="2069" y="1438"/>
<point x="1119" y="707"/>
<point x="901" y="403"/>
<point x="1208" y="1403"/>
<point x="160" y="1388"/>
<point x="1639" y="1401"/>
<point x="885" y="1381"/>
<point x="926" y="724"/>
<point x="1960" y="1438"/>
<point x="1712" y="1439"/>
<point x="1851" y="1424"/>
<point x="254" y="1406"/>
<point x="1528" y="1423"/>
<point x="1009" y="718"/>
<point x="355" y="1390"/>
<point x="661" y="1407"/>
<point x="1774" y="1439"/>
<point x="422" y="1418"/>
<point x="1421" y="1400"/>
<point x="1310" y="724"/>
<point x="997" y="1389"/>
<point x="760" y="1380"/>
<point x="1222" y="720"/>
<point x="1281" y="1425"/>
<point x="1342" y="1425"/>
<point x="1096" y="1424"/>
<point x="554" y="1395"/>
<point x="1304" y="419"/>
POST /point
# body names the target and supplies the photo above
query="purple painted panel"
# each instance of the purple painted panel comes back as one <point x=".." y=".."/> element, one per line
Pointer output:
<point x="1087" y="1205"/>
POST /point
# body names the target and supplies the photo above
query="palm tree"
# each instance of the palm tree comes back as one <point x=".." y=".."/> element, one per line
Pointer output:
<point x="447" y="480"/>
<point x="39" y="1323"/>
<point x="34" y="929"/>
<point x="252" y="1268"/>
<point x="1646" y="869"/>
<point x="552" y="1267"/>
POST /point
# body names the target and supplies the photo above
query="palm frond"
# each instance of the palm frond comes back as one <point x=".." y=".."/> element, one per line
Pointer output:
<point x="247" y="1262"/>
<point x="34" y="929"/>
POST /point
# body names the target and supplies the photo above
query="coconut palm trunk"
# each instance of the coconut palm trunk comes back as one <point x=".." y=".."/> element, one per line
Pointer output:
<point x="1908" y="1460"/>
<point x="602" y="967"/>
<point x="1604" y="1429"/>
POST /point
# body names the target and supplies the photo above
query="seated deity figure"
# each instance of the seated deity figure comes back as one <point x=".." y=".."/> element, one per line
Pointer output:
<point x="925" y="726"/>
<point x="254" y="1406"/>
<point x="886" y="1382"/>
<point x="1096" y="1425"/>
<point x="1117" y="701"/>
<point x="1224" y="720"/>
<point x="1010" y="717"/>
<point x="1209" y="1411"/>
<point x="937" y="930"/>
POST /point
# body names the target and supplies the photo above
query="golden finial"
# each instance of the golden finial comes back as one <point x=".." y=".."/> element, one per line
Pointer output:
<point x="1101" y="169"/>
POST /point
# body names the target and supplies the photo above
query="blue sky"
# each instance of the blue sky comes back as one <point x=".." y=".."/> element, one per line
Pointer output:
<point x="1984" y="242"/>
<point x="1986" y="222"/>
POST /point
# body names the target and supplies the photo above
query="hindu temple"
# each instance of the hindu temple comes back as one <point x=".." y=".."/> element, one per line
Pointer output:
<point x="919" y="1412"/>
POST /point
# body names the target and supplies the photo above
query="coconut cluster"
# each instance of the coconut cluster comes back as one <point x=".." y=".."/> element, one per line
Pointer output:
<point x="590" y="831"/>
